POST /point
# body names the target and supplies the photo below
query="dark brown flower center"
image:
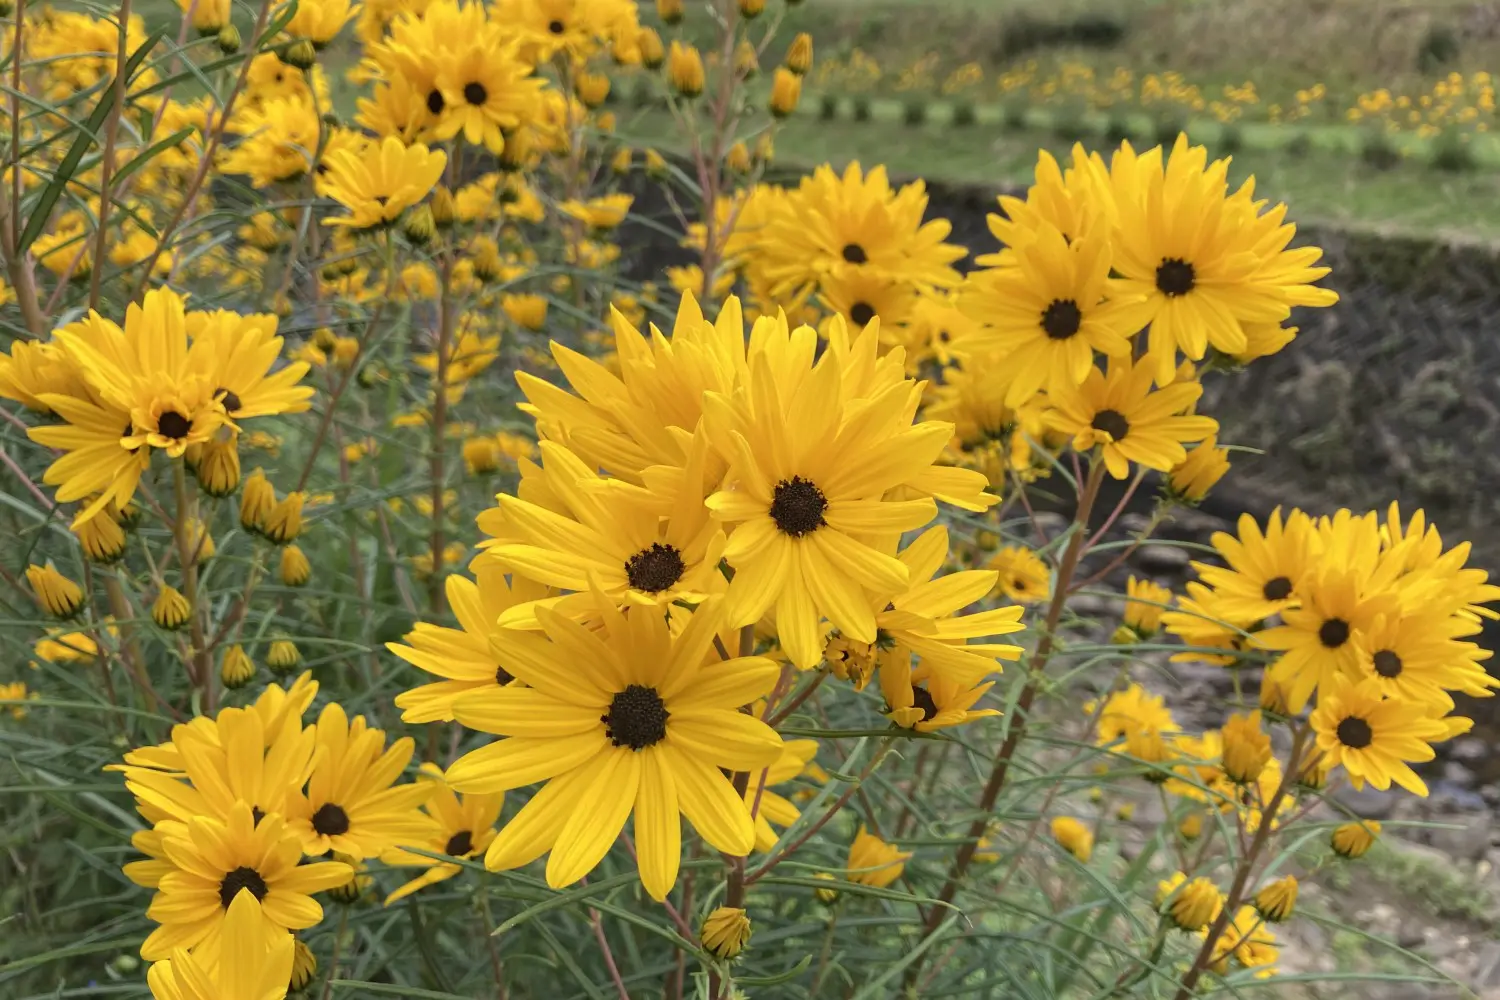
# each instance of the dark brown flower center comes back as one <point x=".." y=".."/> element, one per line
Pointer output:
<point x="330" y="820"/>
<point x="460" y="844"/>
<point x="655" y="569"/>
<point x="173" y="425"/>
<point x="1387" y="663"/>
<point x="855" y="254"/>
<point x="229" y="398"/>
<point x="922" y="698"/>
<point x="242" y="878"/>
<point x="1061" y="319"/>
<point x="637" y="718"/>
<point x="1174" y="277"/>
<point x="435" y="101"/>
<point x="1111" y="422"/>
<point x="797" y="507"/>
<point x="861" y="313"/>
<point x="503" y="676"/>
<point x="1333" y="633"/>
<point x="257" y="814"/>
<point x="1355" y="733"/>
<point x="475" y="93"/>
<point x="1277" y="589"/>
<point x="556" y="27"/>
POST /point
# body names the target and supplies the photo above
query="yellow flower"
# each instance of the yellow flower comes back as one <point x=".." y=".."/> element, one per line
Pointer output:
<point x="685" y="69"/>
<point x="599" y="214"/>
<point x="1190" y="480"/>
<point x="464" y="827"/>
<point x="627" y="713"/>
<point x="786" y="91"/>
<point x="1247" y="939"/>
<point x="751" y="8"/>
<point x="1276" y="901"/>
<point x="208" y="15"/>
<point x="1247" y="748"/>
<point x="1374" y="737"/>
<point x="236" y="669"/>
<point x="1191" y="905"/>
<point x="16" y="692"/>
<point x="592" y="88"/>
<point x="670" y="11"/>
<point x="1119" y="413"/>
<point x="58" y="596"/>
<point x="377" y="187"/>
<point x="738" y="158"/>
<point x="256" y="960"/>
<point x="319" y="21"/>
<point x="725" y="932"/>
<point x="874" y="862"/>
<point x="1074" y="837"/>
<point x="527" y="311"/>
<point x="170" y="610"/>
<point x="256" y="501"/>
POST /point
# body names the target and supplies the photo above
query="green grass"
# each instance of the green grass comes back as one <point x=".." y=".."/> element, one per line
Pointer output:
<point x="1320" y="186"/>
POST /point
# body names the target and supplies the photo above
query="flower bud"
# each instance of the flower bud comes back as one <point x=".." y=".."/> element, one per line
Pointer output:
<point x="685" y="70"/>
<point x="236" y="669"/>
<point x="419" y="227"/>
<point x="592" y="88"/>
<point x="653" y="53"/>
<point x="786" y="91"/>
<point x="1352" y="840"/>
<point x="442" y="207"/>
<point x="58" y="596"/>
<point x="171" y="610"/>
<point x="283" y="522"/>
<point x="1276" y="901"/>
<point x="1247" y="748"/>
<point x="725" y="932"/>
<point x="294" y="569"/>
<point x="256" y="501"/>
<point x="670" y="11"/>
<point x="229" y="39"/>
<point x="300" y="54"/>
<point x="102" y="538"/>
<point x="738" y="158"/>
<point x="218" y="468"/>
<point x="799" y="55"/>
<point x="304" y="966"/>
<point x="283" y="657"/>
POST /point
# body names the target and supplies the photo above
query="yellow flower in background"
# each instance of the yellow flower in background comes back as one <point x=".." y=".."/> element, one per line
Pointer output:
<point x="283" y="521"/>
<point x="799" y="54"/>
<point x="796" y="760"/>
<point x="236" y="669"/>
<point x="1145" y="601"/>
<point x="465" y="825"/>
<point x="1265" y="569"/>
<point x="1021" y="574"/>
<point x="1247" y="748"/>
<point x="486" y="89"/>
<point x="599" y="214"/>
<point x="58" y="596"/>
<point x="1190" y="480"/>
<point x="464" y="658"/>
<point x="353" y="804"/>
<point x="377" y="188"/>
<point x="1073" y="837"/>
<point x="208" y="15"/>
<point x="17" y="693"/>
<point x="1247" y="940"/>
<point x="319" y="21"/>
<point x="874" y="862"/>
<point x="1190" y="904"/>
<point x="627" y="720"/>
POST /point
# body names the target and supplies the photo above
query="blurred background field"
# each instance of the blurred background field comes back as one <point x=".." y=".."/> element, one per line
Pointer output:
<point x="1368" y="112"/>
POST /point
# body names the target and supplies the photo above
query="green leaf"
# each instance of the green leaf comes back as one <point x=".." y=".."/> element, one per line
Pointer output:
<point x="86" y="136"/>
